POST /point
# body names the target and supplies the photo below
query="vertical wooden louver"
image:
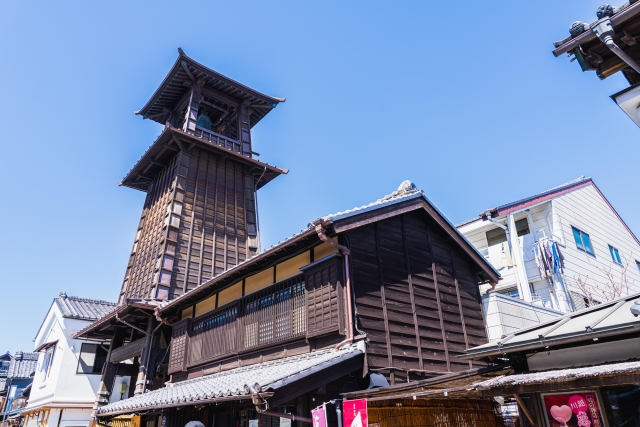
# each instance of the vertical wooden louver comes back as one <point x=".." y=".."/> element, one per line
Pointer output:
<point x="179" y="345"/>
<point x="325" y="295"/>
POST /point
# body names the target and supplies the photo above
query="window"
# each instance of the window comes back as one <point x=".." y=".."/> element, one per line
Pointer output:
<point x="92" y="359"/>
<point x="583" y="242"/>
<point x="513" y="293"/>
<point x="4" y="368"/>
<point x="499" y="235"/>
<point x="48" y="360"/>
<point x="615" y="255"/>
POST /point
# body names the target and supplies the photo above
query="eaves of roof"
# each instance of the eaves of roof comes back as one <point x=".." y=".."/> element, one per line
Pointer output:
<point x="157" y="149"/>
<point x="623" y="14"/>
<point x="580" y="326"/>
<point x="535" y="199"/>
<point x="245" y="91"/>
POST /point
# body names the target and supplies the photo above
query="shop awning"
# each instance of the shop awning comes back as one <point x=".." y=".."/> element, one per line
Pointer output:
<point x="563" y="379"/>
<point x="278" y="380"/>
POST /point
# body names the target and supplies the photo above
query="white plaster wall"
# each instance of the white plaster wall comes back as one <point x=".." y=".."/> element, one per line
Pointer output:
<point x="505" y="315"/>
<point x="71" y="417"/>
<point x="63" y="384"/>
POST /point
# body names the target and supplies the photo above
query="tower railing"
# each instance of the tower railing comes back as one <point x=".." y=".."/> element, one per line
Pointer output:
<point x="217" y="139"/>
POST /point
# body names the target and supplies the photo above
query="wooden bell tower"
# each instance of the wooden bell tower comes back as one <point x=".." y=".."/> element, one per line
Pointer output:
<point x="201" y="178"/>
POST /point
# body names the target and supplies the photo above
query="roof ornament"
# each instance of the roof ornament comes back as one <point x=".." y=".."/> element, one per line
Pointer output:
<point x="63" y="294"/>
<point x="407" y="187"/>
<point x="605" y="11"/>
<point x="577" y="28"/>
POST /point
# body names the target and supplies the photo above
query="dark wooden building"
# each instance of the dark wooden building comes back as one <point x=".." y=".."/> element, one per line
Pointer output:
<point x="222" y="333"/>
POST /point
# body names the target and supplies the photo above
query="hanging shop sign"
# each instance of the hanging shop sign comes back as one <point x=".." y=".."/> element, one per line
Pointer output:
<point x="576" y="409"/>
<point x="319" y="416"/>
<point x="354" y="413"/>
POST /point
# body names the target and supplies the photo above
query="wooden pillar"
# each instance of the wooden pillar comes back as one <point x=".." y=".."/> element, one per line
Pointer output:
<point x="108" y="373"/>
<point x="192" y="107"/>
<point x="244" y="128"/>
<point x="145" y="356"/>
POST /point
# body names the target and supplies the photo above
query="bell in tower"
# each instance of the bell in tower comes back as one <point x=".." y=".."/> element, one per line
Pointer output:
<point x="200" y="215"/>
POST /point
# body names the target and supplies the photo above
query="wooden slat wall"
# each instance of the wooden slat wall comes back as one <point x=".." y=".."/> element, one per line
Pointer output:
<point x="325" y="298"/>
<point x="148" y="243"/>
<point x="212" y="230"/>
<point x="416" y="320"/>
<point x="179" y="345"/>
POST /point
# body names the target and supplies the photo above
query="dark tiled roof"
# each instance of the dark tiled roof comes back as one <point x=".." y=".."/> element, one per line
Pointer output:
<point x="23" y="365"/>
<point x="261" y="377"/>
<point x="82" y="308"/>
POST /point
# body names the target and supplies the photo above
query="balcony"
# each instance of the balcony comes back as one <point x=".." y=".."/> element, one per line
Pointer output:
<point x="304" y="306"/>
<point x="19" y="403"/>
<point x="217" y="139"/>
<point x="273" y="315"/>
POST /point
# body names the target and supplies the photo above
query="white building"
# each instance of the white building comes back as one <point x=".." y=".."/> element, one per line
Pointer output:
<point x="601" y="255"/>
<point x="68" y="370"/>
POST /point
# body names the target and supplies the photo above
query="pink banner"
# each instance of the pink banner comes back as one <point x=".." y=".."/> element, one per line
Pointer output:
<point x="354" y="413"/>
<point x="579" y="409"/>
<point x="319" y="417"/>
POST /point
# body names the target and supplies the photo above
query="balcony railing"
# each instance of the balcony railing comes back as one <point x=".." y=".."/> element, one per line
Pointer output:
<point x="19" y="403"/>
<point x="218" y="139"/>
<point x="270" y="316"/>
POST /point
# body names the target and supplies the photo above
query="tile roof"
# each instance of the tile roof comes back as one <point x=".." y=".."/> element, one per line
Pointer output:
<point x="258" y="378"/>
<point x="571" y="374"/>
<point x="584" y="324"/>
<point x="23" y="365"/>
<point x="82" y="308"/>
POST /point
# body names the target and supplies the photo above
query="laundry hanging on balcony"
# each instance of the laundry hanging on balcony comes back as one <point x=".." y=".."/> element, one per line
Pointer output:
<point x="548" y="257"/>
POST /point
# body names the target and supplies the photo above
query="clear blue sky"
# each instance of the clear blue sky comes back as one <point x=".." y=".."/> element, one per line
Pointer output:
<point x="463" y="98"/>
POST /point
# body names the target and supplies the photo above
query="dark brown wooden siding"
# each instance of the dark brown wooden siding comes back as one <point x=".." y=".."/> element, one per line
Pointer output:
<point x="417" y="320"/>
<point x="325" y="297"/>
<point x="199" y="212"/>
<point x="179" y="346"/>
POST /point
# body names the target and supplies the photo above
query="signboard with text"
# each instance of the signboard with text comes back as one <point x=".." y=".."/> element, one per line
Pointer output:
<point x="319" y="417"/>
<point x="576" y="409"/>
<point x="354" y="413"/>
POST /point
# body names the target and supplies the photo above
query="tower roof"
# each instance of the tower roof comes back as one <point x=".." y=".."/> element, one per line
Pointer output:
<point x="186" y="72"/>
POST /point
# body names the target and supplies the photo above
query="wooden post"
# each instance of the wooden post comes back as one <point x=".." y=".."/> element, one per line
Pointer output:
<point x="108" y="373"/>
<point x="524" y="409"/>
<point x="192" y="107"/>
<point x="145" y="357"/>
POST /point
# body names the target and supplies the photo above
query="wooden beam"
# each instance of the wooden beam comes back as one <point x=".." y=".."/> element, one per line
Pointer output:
<point x="440" y="315"/>
<point x="525" y="410"/>
<point x="457" y="285"/>
<point x="411" y="294"/>
<point x="185" y="67"/>
<point x="208" y="91"/>
<point x="384" y="305"/>
<point x="177" y="141"/>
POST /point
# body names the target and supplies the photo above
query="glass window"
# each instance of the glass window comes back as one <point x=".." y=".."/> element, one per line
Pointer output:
<point x="583" y="242"/>
<point x="92" y="359"/>
<point x="513" y="293"/>
<point x="615" y="255"/>
<point x="623" y="405"/>
<point x="47" y="361"/>
<point x="499" y="235"/>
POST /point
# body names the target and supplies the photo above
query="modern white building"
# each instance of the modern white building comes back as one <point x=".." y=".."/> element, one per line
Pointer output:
<point x="68" y="370"/>
<point x="593" y="256"/>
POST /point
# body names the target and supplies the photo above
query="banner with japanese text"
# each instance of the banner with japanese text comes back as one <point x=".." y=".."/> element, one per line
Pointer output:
<point x="354" y="413"/>
<point x="577" y="409"/>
